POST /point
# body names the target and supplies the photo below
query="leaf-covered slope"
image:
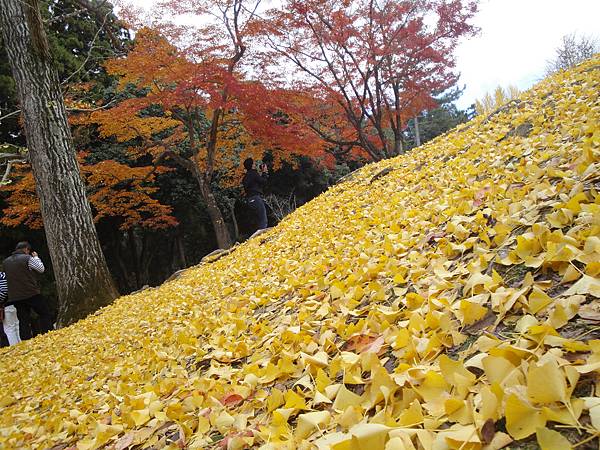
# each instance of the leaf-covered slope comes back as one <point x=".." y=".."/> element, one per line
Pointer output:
<point x="445" y="299"/>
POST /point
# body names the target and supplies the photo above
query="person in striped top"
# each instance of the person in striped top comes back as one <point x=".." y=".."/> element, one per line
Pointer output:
<point x="3" y="288"/>
<point x="22" y="268"/>
<point x="8" y="314"/>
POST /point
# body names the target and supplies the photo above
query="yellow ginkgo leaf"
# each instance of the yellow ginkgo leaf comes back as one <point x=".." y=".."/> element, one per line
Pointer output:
<point x="538" y="300"/>
<point x="369" y="436"/>
<point x="345" y="398"/>
<point x="593" y="406"/>
<point x="139" y="417"/>
<point x="294" y="400"/>
<point x="552" y="440"/>
<point x="586" y="285"/>
<point x="311" y="422"/>
<point x="546" y="384"/>
<point x="411" y="416"/>
<point x="522" y="419"/>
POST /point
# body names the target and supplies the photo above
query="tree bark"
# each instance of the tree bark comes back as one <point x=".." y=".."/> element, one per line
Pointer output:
<point x="417" y="132"/>
<point x="83" y="281"/>
<point x="180" y="249"/>
<point x="222" y="234"/>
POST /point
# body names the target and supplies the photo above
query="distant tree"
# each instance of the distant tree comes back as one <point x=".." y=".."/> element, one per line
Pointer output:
<point x="493" y="101"/>
<point x="573" y="50"/>
<point x="378" y="62"/>
<point x="432" y="123"/>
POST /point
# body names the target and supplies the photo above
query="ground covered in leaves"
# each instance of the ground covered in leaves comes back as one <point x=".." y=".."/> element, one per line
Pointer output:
<point x="446" y="299"/>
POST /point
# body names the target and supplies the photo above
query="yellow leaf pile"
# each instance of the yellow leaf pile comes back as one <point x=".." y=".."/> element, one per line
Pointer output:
<point x="445" y="299"/>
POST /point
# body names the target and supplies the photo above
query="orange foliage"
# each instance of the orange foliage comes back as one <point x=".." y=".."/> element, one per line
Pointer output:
<point x="23" y="205"/>
<point x="184" y="96"/>
<point x="379" y="62"/>
<point x="114" y="190"/>
<point x="121" y="191"/>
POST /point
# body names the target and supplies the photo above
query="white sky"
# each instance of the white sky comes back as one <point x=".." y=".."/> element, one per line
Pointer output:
<point x="517" y="38"/>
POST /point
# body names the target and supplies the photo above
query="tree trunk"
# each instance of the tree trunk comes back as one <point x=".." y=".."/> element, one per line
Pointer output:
<point x="222" y="234"/>
<point x="134" y="255"/>
<point x="145" y="258"/>
<point x="180" y="250"/>
<point x="128" y="283"/>
<point x="417" y="132"/>
<point x="236" y="228"/>
<point x="83" y="281"/>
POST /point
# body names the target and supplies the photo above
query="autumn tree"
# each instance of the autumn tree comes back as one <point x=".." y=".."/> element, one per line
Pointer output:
<point x="492" y="101"/>
<point x="83" y="281"/>
<point x="115" y="190"/>
<point x="379" y="61"/>
<point x="196" y="106"/>
<point x="573" y="50"/>
<point x="123" y="200"/>
<point x="434" y="122"/>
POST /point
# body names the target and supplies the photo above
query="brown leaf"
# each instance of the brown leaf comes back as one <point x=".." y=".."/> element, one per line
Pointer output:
<point x="488" y="431"/>
<point x="360" y="343"/>
<point x="591" y="311"/>
<point x="232" y="400"/>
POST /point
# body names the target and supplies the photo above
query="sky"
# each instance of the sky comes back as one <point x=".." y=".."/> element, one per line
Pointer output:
<point x="516" y="40"/>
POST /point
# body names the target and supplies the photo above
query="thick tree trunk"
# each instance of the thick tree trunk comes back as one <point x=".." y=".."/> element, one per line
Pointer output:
<point x="83" y="281"/>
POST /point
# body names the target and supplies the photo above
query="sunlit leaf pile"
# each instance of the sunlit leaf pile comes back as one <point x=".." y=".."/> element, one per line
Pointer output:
<point x="445" y="299"/>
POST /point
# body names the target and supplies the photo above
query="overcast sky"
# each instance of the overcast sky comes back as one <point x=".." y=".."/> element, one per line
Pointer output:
<point x="517" y="38"/>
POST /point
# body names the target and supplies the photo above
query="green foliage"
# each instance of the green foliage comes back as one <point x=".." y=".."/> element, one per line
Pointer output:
<point x="80" y="40"/>
<point x="439" y="120"/>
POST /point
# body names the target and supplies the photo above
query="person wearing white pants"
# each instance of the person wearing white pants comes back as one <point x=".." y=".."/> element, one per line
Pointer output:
<point x="10" y="321"/>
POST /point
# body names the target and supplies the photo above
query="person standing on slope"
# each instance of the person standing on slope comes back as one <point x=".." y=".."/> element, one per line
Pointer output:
<point x="253" y="186"/>
<point x="8" y="314"/>
<point x="22" y="269"/>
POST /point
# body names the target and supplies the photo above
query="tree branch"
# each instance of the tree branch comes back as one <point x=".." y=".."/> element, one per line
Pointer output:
<point x="14" y="113"/>
<point x="96" y="11"/>
<point x="89" y="53"/>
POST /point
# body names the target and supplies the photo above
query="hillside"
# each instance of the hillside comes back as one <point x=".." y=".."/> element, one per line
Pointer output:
<point x="445" y="299"/>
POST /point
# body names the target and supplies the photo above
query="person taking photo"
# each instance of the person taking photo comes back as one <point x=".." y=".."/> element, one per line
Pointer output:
<point x="254" y="181"/>
<point x="22" y="269"/>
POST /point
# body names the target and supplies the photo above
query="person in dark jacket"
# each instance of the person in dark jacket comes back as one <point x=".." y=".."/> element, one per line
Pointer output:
<point x="254" y="182"/>
<point x="22" y="269"/>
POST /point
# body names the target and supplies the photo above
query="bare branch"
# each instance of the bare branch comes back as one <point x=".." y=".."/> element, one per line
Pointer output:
<point x="89" y="53"/>
<point x="96" y="10"/>
<point x="6" y="116"/>
<point x="75" y="13"/>
<point x="99" y="108"/>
